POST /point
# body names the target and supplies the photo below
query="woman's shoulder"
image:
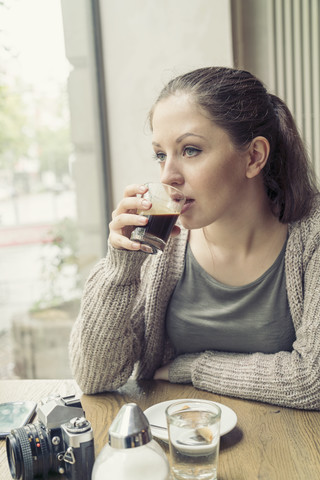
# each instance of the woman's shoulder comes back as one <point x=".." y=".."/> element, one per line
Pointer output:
<point x="307" y="230"/>
<point x="315" y="209"/>
<point x="312" y="221"/>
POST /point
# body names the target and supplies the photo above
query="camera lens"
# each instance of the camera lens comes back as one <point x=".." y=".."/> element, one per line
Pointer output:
<point x="29" y="452"/>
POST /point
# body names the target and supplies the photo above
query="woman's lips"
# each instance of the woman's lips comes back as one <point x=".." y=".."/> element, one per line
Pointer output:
<point x="188" y="204"/>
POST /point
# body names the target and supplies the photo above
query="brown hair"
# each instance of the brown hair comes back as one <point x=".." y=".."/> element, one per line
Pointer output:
<point x="240" y="104"/>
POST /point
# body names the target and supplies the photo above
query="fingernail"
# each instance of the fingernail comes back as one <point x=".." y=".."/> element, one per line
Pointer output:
<point x="146" y="248"/>
<point x="142" y="188"/>
<point x="145" y="203"/>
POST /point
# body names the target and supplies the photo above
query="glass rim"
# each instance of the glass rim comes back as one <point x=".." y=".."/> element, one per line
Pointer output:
<point x="210" y="403"/>
<point x="175" y="189"/>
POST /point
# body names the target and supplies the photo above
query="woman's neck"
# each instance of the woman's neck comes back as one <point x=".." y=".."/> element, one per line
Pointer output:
<point x="238" y="250"/>
<point x="242" y="234"/>
<point x="250" y="222"/>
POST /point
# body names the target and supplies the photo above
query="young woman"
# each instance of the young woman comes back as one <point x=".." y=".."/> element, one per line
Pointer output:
<point x="232" y="304"/>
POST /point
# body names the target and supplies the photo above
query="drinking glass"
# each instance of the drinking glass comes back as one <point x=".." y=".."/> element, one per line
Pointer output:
<point x="167" y="203"/>
<point x="194" y="439"/>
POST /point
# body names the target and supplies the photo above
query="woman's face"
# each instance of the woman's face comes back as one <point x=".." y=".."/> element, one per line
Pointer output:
<point x="198" y="158"/>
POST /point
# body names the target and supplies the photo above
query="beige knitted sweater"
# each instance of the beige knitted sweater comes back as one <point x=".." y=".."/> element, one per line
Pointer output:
<point x="122" y="325"/>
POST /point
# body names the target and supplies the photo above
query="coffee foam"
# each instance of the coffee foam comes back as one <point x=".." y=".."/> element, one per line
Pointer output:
<point x="159" y="210"/>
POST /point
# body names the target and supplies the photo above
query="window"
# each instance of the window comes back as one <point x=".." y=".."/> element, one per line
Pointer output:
<point x="50" y="227"/>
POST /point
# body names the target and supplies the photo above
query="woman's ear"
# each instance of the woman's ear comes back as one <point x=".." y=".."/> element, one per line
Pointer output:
<point x="258" y="155"/>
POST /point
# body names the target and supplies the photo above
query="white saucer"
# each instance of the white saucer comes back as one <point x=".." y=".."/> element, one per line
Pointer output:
<point x="156" y="416"/>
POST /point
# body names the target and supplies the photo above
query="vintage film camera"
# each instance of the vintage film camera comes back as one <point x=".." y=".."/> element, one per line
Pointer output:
<point x="62" y="442"/>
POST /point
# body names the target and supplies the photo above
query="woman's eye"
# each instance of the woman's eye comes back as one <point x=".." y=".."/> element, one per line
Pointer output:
<point x="160" y="157"/>
<point x="191" y="151"/>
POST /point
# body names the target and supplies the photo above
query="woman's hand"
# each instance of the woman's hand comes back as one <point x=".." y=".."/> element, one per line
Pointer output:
<point x="125" y="218"/>
<point x="162" y="373"/>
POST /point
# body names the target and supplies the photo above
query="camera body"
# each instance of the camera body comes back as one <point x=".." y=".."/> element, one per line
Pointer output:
<point x="62" y="442"/>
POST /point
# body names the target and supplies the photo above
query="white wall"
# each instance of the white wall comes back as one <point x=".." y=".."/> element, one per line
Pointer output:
<point x="146" y="43"/>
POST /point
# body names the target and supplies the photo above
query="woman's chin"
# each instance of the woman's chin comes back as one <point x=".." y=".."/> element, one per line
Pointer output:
<point x="188" y="223"/>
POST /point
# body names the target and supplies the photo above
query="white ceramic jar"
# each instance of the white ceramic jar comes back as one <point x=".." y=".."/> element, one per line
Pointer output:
<point x="131" y="453"/>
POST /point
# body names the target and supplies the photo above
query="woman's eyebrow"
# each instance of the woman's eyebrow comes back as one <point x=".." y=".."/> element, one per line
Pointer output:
<point x="182" y="137"/>
<point x="188" y="134"/>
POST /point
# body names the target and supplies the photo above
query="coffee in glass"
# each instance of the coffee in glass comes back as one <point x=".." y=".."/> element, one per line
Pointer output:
<point x="167" y="203"/>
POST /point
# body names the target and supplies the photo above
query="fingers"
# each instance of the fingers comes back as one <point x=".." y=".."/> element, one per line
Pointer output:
<point x="125" y="218"/>
<point x="132" y="200"/>
<point x="134" y="189"/>
<point x="123" y="243"/>
<point x="131" y="205"/>
<point x="121" y="228"/>
<point x="128" y="215"/>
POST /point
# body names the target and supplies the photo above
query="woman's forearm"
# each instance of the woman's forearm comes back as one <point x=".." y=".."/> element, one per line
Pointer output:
<point x="107" y="336"/>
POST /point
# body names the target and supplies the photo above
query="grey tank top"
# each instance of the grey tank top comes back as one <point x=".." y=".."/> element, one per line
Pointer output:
<point x="204" y="314"/>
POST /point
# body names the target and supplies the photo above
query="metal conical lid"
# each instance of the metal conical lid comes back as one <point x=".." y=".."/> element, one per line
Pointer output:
<point x="130" y="428"/>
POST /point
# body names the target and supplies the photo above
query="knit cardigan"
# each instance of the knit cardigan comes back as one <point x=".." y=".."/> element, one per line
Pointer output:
<point x="121" y="327"/>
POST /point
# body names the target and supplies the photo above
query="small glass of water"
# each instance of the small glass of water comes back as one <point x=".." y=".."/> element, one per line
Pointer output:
<point x="194" y="439"/>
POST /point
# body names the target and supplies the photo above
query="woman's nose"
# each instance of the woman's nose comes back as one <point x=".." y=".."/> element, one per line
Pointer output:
<point x="170" y="173"/>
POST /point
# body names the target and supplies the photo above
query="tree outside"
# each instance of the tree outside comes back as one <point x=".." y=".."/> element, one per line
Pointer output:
<point x="35" y="145"/>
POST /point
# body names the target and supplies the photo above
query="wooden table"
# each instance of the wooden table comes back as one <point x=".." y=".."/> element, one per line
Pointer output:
<point x="268" y="442"/>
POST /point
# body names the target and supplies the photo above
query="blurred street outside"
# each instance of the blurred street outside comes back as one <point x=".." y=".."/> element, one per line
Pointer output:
<point x="21" y="247"/>
<point x="25" y="225"/>
<point x="6" y="357"/>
